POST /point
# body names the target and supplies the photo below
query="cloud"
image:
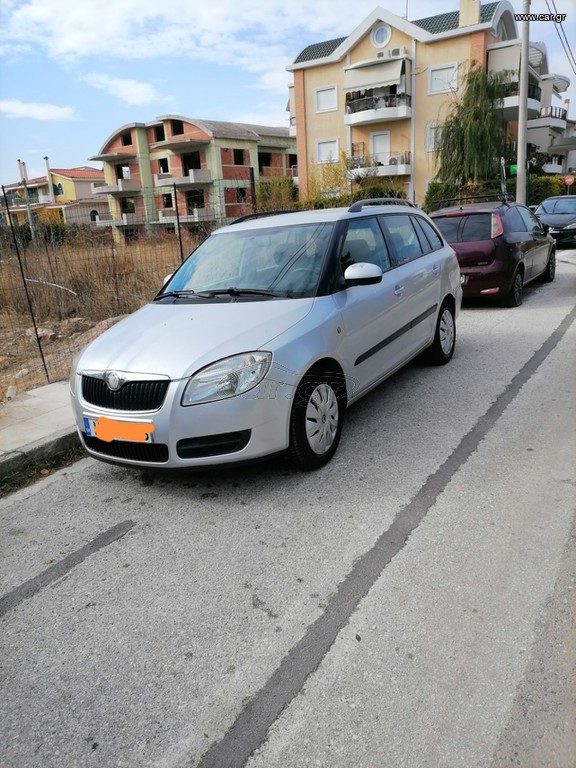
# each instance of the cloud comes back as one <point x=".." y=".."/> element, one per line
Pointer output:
<point x="34" y="111"/>
<point x="128" y="91"/>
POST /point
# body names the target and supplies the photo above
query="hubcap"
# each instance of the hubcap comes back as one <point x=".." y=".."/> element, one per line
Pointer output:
<point x="446" y="331"/>
<point x="322" y="418"/>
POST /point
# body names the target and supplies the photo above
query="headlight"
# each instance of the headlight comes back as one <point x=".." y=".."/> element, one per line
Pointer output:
<point x="570" y="226"/>
<point x="227" y="378"/>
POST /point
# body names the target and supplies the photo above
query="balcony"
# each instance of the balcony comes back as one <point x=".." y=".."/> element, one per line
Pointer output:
<point x="381" y="164"/>
<point x="122" y="187"/>
<point x="125" y="220"/>
<point x="195" y="215"/>
<point x="510" y="102"/>
<point x="195" y="177"/>
<point x="377" y="109"/>
<point x="562" y="146"/>
<point x="550" y="117"/>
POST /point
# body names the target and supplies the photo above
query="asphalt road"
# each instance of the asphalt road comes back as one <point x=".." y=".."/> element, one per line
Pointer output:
<point x="410" y="605"/>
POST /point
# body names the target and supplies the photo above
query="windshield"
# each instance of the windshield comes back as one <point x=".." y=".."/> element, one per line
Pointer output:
<point x="567" y="205"/>
<point x="282" y="260"/>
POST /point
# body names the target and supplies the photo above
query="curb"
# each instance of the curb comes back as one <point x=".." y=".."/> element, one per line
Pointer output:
<point x="38" y="452"/>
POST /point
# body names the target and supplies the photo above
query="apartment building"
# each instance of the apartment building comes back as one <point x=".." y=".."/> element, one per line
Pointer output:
<point x="63" y="193"/>
<point x="176" y="169"/>
<point x="379" y="96"/>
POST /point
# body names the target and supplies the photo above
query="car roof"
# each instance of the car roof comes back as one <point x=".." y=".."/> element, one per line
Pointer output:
<point x="320" y="215"/>
<point x="486" y="207"/>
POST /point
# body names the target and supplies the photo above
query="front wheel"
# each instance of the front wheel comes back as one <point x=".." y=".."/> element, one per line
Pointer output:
<point x="316" y="421"/>
<point x="444" y="342"/>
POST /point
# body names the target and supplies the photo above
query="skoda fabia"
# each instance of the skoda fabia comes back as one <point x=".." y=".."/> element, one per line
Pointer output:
<point x="265" y="334"/>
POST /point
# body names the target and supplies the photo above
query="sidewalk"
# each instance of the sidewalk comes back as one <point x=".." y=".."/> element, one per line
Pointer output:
<point x="36" y="426"/>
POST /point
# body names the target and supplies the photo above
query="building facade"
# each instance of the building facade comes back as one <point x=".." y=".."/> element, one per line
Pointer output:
<point x="378" y="98"/>
<point x="63" y="193"/>
<point x="180" y="170"/>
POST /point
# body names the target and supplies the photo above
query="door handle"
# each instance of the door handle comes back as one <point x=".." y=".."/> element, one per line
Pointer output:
<point x="436" y="268"/>
<point x="398" y="289"/>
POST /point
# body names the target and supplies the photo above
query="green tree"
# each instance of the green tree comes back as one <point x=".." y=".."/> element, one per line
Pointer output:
<point x="474" y="135"/>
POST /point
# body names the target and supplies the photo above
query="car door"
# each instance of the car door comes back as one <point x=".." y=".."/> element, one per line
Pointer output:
<point x="374" y="319"/>
<point x="417" y="275"/>
<point x="538" y="246"/>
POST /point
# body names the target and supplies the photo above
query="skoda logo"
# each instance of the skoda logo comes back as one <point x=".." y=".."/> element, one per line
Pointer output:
<point x="113" y="380"/>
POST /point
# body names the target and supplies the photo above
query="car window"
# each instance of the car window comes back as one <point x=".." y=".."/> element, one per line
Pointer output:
<point x="403" y="236"/>
<point x="532" y="223"/>
<point x="430" y="233"/>
<point x="364" y="242"/>
<point x="513" y="221"/>
<point x="567" y="205"/>
<point x="465" y="227"/>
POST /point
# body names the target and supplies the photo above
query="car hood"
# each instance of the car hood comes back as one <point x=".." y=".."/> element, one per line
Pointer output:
<point x="175" y="340"/>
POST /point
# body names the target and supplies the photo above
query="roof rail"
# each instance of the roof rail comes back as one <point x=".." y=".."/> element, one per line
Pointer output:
<point x="355" y="207"/>
<point x="449" y="201"/>
<point x="259" y="215"/>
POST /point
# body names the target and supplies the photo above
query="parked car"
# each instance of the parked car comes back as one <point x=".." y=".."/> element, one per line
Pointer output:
<point x="501" y="246"/>
<point x="263" y="337"/>
<point x="558" y="214"/>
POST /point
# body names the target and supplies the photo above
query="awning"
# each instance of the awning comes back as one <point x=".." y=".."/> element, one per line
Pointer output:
<point x="505" y="58"/>
<point x="373" y="76"/>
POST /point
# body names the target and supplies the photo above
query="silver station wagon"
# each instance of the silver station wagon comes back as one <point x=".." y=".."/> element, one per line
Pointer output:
<point x="265" y="334"/>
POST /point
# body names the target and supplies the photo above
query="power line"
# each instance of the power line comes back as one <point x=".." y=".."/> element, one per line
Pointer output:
<point x="562" y="37"/>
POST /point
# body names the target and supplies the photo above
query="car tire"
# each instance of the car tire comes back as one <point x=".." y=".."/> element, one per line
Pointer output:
<point x="442" y="348"/>
<point x="316" y="420"/>
<point x="550" y="272"/>
<point x="514" y="296"/>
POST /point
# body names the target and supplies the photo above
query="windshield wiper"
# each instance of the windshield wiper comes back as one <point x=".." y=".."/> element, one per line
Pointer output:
<point x="177" y="294"/>
<point x="239" y="292"/>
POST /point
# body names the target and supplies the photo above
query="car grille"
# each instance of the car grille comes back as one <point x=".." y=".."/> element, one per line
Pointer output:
<point x="132" y="396"/>
<point x="119" y="449"/>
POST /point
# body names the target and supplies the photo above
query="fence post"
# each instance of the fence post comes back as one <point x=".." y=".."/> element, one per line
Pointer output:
<point x="178" y="225"/>
<point x="22" y="272"/>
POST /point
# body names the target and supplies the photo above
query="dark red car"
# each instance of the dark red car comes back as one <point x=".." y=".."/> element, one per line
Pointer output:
<point x="500" y="246"/>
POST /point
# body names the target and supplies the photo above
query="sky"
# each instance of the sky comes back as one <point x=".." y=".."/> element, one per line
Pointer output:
<point x="72" y="72"/>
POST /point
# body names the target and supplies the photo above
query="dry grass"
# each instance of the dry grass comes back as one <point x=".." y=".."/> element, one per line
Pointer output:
<point x="76" y="292"/>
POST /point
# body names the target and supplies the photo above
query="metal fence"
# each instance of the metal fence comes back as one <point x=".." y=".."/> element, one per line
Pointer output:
<point x="62" y="285"/>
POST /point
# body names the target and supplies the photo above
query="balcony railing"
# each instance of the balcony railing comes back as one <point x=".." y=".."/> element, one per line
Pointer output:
<point x="123" y="220"/>
<point x="121" y="186"/>
<point x="168" y="215"/>
<point x="380" y="159"/>
<point x="380" y="164"/>
<point x="559" y="113"/>
<point x="513" y="89"/>
<point x="194" y="176"/>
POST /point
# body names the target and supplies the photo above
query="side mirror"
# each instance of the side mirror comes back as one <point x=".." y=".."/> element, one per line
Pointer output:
<point x="362" y="273"/>
<point x="166" y="278"/>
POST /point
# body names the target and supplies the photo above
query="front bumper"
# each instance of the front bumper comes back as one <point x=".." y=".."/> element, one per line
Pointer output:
<point x="243" y="428"/>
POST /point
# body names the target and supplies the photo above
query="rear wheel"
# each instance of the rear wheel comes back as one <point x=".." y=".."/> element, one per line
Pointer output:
<point x="550" y="272"/>
<point x="316" y="420"/>
<point x="514" y="296"/>
<point x="444" y="342"/>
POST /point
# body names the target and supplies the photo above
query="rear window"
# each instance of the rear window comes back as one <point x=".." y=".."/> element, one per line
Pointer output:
<point x="465" y="227"/>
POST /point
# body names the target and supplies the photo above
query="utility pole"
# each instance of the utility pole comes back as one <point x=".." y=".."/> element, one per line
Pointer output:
<point x="523" y="108"/>
<point x="23" y="180"/>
